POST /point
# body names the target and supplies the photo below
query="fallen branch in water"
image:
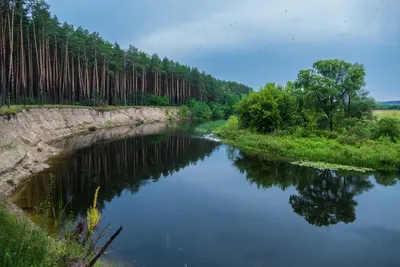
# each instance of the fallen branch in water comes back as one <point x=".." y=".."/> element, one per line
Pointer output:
<point x="104" y="248"/>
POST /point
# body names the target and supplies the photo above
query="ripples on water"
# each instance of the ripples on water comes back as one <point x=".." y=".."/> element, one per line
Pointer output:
<point x="192" y="201"/>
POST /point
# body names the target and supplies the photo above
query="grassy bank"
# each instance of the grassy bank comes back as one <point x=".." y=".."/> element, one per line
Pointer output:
<point x="18" y="108"/>
<point x="209" y="127"/>
<point x="369" y="154"/>
<point x="23" y="245"/>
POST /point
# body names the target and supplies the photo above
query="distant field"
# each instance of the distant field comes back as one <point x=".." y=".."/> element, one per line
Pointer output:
<point x="383" y="113"/>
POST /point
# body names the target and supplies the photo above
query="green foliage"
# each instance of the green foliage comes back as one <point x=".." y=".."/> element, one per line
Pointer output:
<point x="20" y="245"/>
<point x="199" y="110"/>
<point x="98" y="72"/>
<point x="380" y="154"/>
<point x="232" y="124"/>
<point x="388" y="127"/>
<point x="184" y="112"/>
<point x="269" y="109"/>
<point x="231" y="127"/>
<point x="325" y="115"/>
<point x="334" y="88"/>
<point x="210" y="127"/>
<point x="23" y="244"/>
<point x="217" y="111"/>
<point x="153" y="100"/>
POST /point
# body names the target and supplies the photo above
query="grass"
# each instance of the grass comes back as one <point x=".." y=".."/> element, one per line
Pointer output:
<point x="383" y="113"/>
<point x="378" y="155"/>
<point x="209" y="127"/>
<point x="18" y="108"/>
<point x="317" y="152"/>
<point x="23" y="245"/>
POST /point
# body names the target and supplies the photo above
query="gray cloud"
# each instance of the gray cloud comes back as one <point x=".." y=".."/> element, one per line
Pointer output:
<point x="260" y="21"/>
<point x="260" y="46"/>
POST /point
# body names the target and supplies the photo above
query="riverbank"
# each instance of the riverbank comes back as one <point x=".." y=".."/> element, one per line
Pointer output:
<point x="24" y="244"/>
<point x="27" y="137"/>
<point x="320" y="152"/>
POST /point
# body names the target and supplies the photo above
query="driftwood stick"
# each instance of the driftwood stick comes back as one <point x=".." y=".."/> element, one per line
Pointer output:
<point x="93" y="245"/>
<point x="104" y="248"/>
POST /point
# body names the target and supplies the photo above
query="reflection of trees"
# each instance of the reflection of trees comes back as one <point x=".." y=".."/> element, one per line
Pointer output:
<point x="116" y="166"/>
<point x="386" y="178"/>
<point x="266" y="175"/>
<point x="327" y="198"/>
<point x="323" y="197"/>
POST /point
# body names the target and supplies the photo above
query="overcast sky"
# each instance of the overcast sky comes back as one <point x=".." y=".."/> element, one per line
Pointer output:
<point x="253" y="41"/>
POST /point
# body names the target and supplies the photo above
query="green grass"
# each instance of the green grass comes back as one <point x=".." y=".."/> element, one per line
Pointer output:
<point x="18" y="108"/>
<point x="23" y="245"/>
<point x="383" y="113"/>
<point x="377" y="155"/>
<point x="209" y="127"/>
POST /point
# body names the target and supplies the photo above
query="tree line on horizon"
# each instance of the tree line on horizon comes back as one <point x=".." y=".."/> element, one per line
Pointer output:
<point x="390" y="105"/>
<point x="43" y="61"/>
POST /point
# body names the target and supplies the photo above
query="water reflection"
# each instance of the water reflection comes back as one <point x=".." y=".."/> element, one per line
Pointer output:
<point x="326" y="197"/>
<point x="323" y="198"/>
<point x="117" y="166"/>
<point x="223" y="207"/>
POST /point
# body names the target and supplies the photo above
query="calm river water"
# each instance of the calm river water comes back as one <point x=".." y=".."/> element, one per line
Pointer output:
<point x="184" y="200"/>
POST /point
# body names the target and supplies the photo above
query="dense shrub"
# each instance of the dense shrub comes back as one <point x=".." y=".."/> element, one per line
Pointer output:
<point x="199" y="110"/>
<point x="154" y="100"/>
<point x="232" y="124"/>
<point x="184" y="112"/>
<point x="217" y="111"/>
<point x="388" y="127"/>
<point x="270" y="109"/>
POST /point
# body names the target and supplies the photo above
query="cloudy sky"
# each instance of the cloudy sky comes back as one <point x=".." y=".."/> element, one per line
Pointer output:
<point x="253" y="41"/>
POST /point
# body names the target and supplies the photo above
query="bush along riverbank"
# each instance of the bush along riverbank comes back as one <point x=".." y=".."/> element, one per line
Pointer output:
<point x="316" y="151"/>
<point x="318" y="120"/>
<point x="24" y="244"/>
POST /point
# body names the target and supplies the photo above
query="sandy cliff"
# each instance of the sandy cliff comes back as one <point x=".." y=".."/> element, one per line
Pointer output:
<point x="29" y="138"/>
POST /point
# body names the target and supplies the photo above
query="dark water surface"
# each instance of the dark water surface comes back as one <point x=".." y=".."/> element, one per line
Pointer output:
<point x="189" y="201"/>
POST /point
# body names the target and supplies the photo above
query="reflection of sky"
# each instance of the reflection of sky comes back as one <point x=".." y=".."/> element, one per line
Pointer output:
<point x="213" y="217"/>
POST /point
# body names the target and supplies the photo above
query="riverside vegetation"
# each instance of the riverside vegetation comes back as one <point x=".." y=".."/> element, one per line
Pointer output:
<point x="23" y="244"/>
<point x="325" y="117"/>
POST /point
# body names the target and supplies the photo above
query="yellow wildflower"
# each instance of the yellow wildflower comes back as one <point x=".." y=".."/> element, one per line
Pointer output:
<point x="93" y="214"/>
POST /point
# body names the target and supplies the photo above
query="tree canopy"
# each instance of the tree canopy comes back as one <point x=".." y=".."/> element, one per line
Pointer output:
<point x="44" y="61"/>
<point x="335" y="89"/>
<point x="271" y="108"/>
<point x="330" y="95"/>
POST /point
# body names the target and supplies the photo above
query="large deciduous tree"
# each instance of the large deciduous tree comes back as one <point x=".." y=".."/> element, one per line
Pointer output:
<point x="336" y="89"/>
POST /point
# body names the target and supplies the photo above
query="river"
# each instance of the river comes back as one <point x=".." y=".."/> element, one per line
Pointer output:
<point x="185" y="200"/>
